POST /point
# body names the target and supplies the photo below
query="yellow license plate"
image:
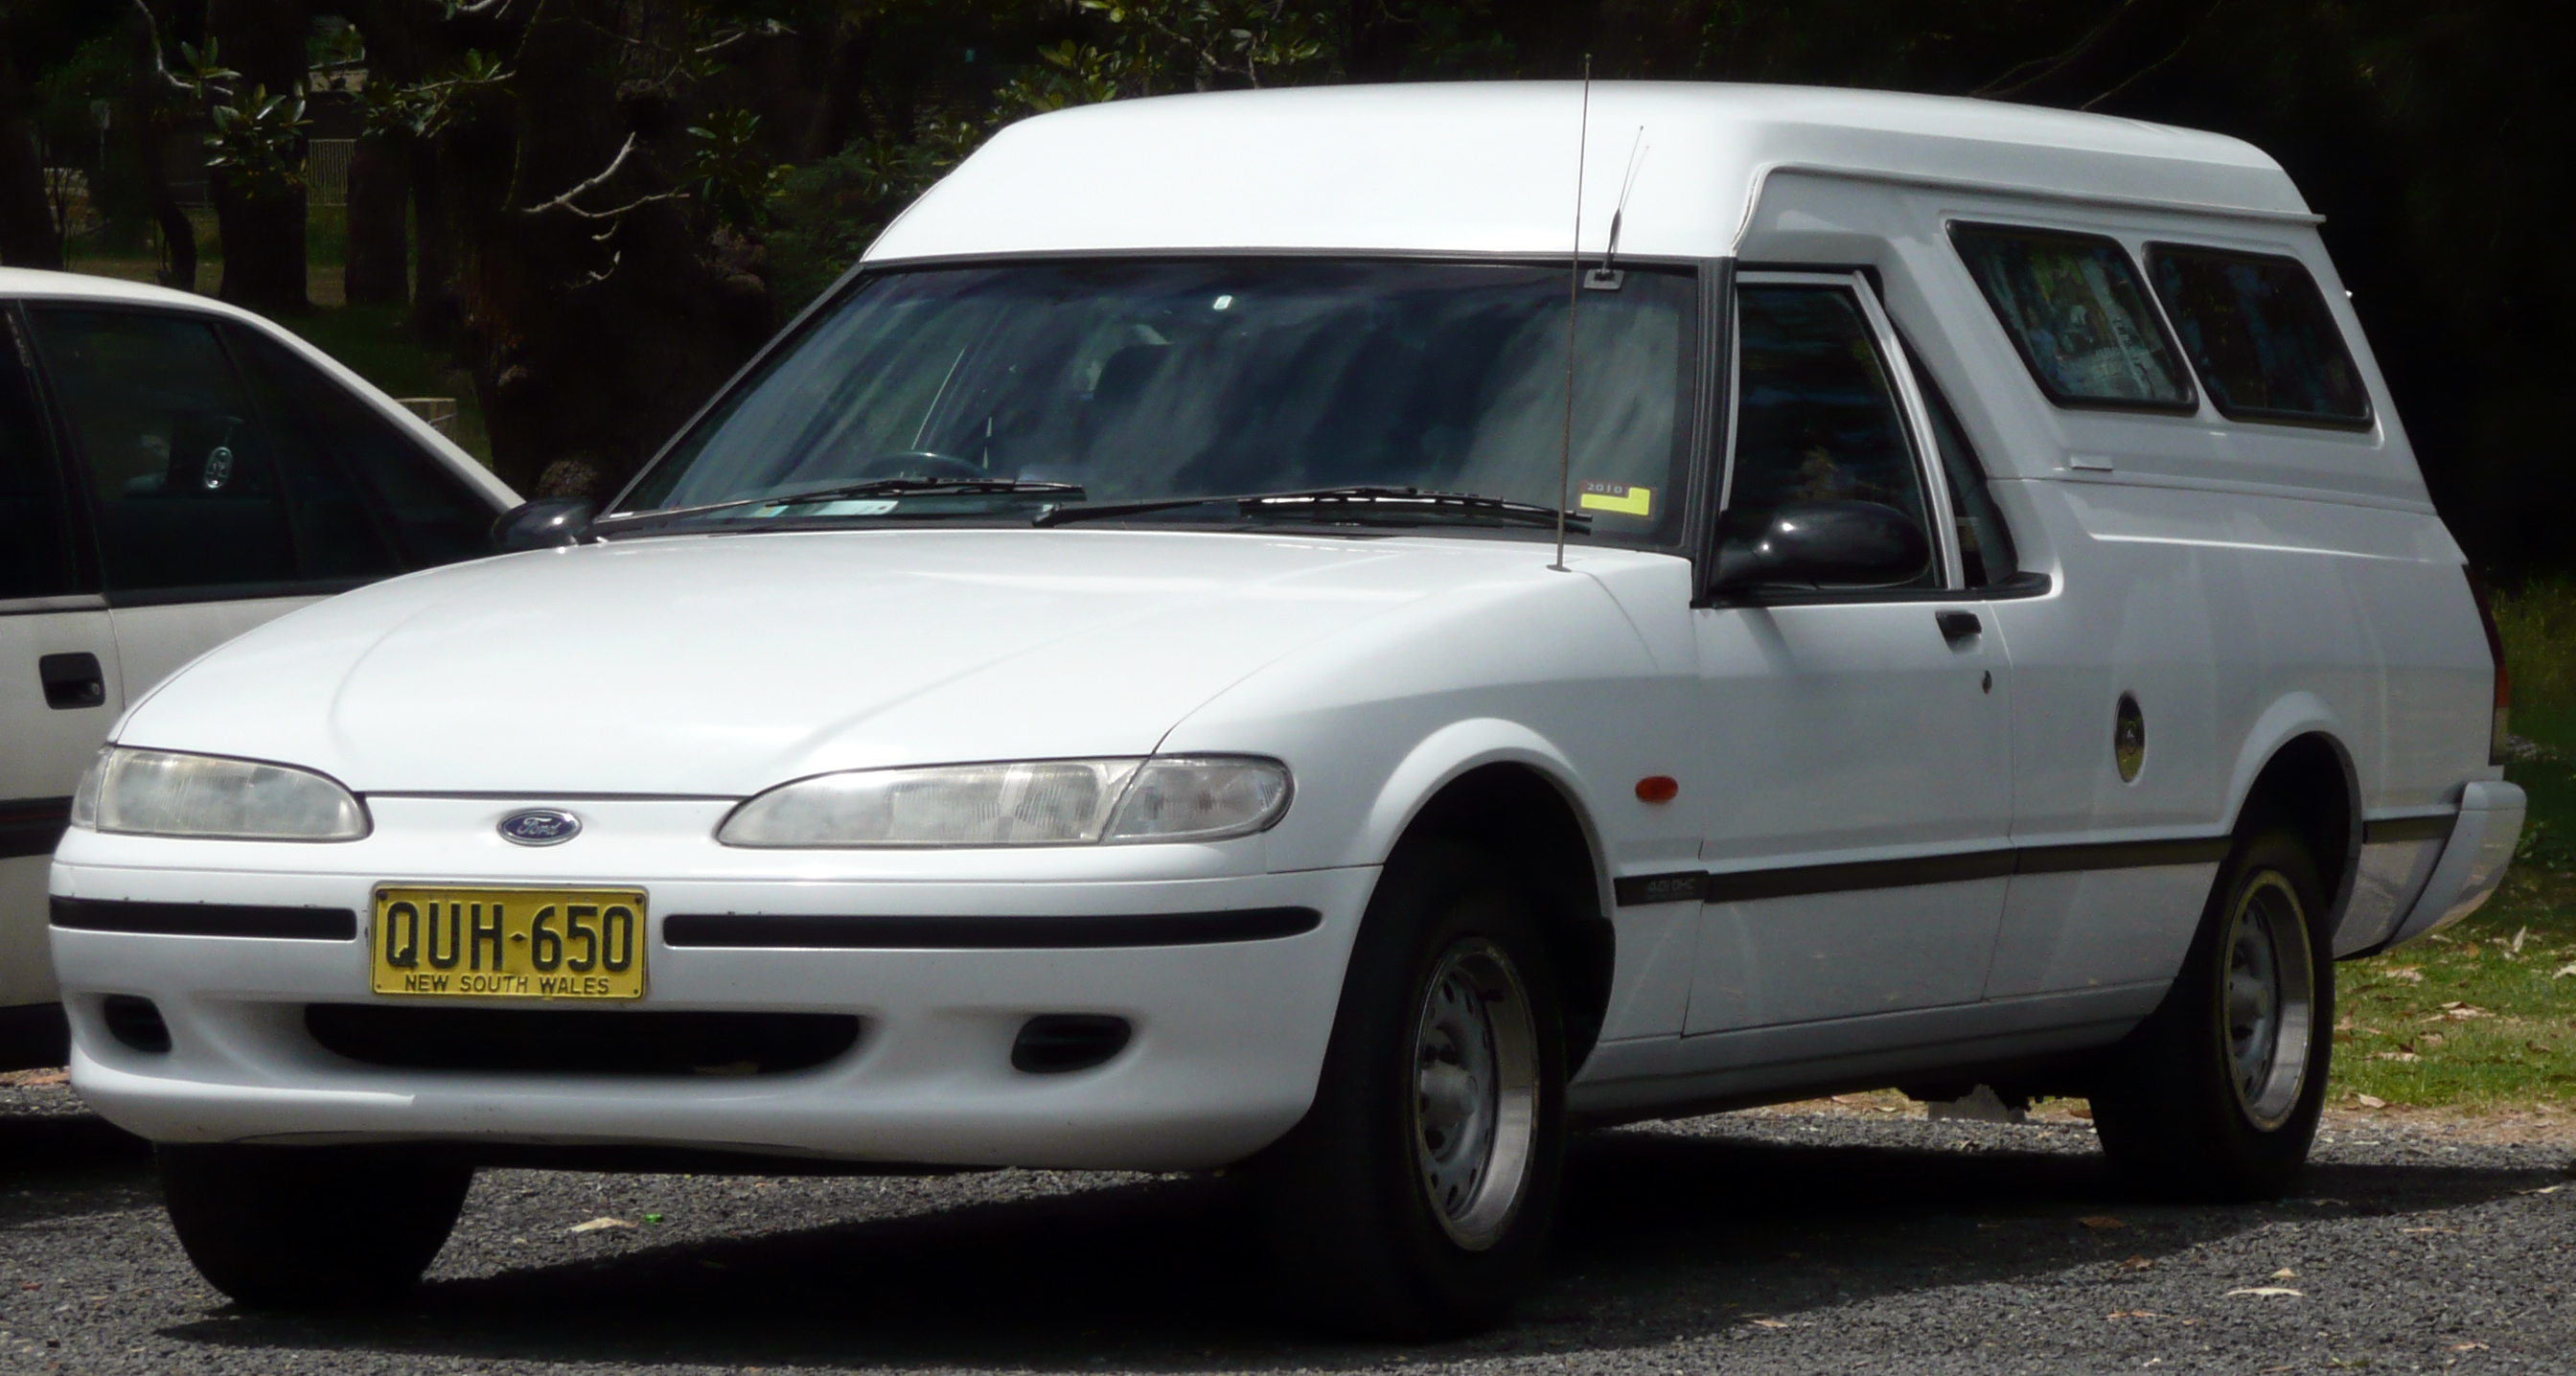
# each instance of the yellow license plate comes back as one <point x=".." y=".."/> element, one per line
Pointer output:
<point x="508" y="943"/>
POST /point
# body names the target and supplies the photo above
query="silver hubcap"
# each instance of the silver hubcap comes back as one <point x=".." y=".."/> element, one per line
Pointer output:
<point x="1475" y="1099"/>
<point x="2268" y="1006"/>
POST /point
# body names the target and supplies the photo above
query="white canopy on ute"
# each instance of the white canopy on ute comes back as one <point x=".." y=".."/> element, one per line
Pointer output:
<point x="1488" y="167"/>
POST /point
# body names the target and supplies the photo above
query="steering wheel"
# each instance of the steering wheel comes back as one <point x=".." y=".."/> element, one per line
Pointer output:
<point x="922" y="463"/>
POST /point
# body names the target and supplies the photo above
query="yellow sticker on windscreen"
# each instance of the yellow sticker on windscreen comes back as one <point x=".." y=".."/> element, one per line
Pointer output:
<point x="1617" y="497"/>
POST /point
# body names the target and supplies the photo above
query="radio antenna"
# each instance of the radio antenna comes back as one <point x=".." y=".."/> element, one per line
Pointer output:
<point x="1573" y="297"/>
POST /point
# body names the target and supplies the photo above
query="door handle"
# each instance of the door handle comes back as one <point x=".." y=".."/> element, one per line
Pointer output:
<point x="72" y="681"/>
<point x="1958" y="626"/>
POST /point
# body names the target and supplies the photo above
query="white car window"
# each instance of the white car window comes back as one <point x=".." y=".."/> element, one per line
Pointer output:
<point x="185" y="489"/>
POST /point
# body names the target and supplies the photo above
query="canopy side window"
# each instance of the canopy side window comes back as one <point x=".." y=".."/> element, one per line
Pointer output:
<point x="2259" y="331"/>
<point x="2078" y="315"/>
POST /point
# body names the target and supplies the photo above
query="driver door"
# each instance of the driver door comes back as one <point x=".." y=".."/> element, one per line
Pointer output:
<point x="1856" y="738"/>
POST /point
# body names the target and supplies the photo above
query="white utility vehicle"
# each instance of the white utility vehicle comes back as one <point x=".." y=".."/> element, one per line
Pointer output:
<point x="173" y="472"/>
<point x="1103" y="690"/>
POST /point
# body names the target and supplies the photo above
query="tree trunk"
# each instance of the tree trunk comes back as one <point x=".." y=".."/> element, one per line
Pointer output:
<point x="149" y="101"/>
<point x="262" y="227"/>
<point x="27" y="231"/>
<point x="178" y="232"/>
<point x="379" y="268"/>
<point x="842" y="114"/>
<point x="434" y="311"/>
<point x="586" y="354"/>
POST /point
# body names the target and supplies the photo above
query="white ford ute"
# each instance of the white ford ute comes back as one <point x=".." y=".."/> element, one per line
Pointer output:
<point x="1234" y="637"/>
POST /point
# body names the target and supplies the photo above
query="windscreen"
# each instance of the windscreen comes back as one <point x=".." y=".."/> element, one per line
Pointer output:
<point x="1148" y="380"/>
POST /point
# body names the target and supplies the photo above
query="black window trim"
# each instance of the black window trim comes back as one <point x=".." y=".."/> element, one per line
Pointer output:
<point x="2369" y="419"/>
<point x="1936" y="401"/>
<point x="2188" y="406"/>
<point x="80" y="538"/>
<point x="1863" y="283"/>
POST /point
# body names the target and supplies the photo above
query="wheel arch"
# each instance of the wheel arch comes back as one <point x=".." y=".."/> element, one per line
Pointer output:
<point x="1505" y="789"/>
<point x="2298" y="767"/>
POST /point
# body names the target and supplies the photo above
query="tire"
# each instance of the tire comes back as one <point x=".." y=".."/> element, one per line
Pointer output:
<point x="1415" y="1198"/>
<point x="310" y="1227"/>
<point x="2216" y="1097"/>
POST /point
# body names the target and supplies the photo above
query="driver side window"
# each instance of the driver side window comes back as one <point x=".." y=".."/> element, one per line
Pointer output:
<point x="1817" y="413"/>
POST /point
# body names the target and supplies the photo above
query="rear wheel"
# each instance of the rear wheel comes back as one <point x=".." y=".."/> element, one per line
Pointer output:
<point x="1415" y="1198"/>
<point x="2217" y="1096"/>
<point x="310" y="1227"/>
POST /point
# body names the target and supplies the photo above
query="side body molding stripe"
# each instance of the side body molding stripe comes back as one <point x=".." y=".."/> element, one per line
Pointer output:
<point x="873" y="932"/>
<point x="1746" y="886"/>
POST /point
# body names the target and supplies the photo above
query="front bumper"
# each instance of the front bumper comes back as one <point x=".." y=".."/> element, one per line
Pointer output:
<point x="1228" y="1041"/>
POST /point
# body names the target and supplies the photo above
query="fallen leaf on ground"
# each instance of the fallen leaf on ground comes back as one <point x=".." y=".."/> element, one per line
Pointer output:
<point x="2408" y="974"/>
<point x="2428" y="1230"/>
<point x="1767" y="1323"/>
<point x="2136" y="1264"/>
<point x="598" y="1223"/>
<point x="2546" y="1189"/>
<point x="2468" y="1347"/>
<point x="2285" y="1273"/>
<point x="2133" y="1314"/>
<point x="2371" y="1101"/>
<point x="2394" y="1056"/>
<point x="2083" y="1111"/>
<point x="2269" y="1290"/>
<point x="2563" y="972"/>
<point x="2102" y="1221"/>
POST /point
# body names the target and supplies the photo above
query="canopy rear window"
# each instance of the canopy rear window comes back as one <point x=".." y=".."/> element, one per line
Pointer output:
<point x="2261" y="334"/>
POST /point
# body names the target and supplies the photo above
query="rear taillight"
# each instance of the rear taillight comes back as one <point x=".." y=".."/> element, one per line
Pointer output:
<point x="2503" y="681"/>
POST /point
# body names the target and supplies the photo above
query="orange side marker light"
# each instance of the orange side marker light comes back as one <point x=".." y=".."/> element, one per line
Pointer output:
<point x="1658" y="788"/>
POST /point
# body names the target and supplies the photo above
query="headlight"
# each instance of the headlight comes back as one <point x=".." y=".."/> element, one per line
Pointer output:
<point x="1037" y="803"/>
<point x="165" y="793"/>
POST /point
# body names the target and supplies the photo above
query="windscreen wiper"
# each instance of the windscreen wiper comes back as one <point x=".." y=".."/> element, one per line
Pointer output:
<point x="1356" y="502"/>
<point x="873" y="487"/>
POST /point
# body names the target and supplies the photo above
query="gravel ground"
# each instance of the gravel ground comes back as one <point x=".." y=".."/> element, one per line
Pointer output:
<point x="1775" y="1242"/>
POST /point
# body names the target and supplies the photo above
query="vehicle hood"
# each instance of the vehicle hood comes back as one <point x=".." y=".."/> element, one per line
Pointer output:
<point x="722" y="665"/>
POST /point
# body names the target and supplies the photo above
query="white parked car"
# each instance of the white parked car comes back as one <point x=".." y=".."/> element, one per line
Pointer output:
<point x="1103" y="690"/>
<point x="173" y="472"/>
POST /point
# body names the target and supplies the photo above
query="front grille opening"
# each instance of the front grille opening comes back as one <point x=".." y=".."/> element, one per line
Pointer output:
<point x="581" y="1041"/>
<point x="136" y="1022"/>
<point x="1058" y="1043"/>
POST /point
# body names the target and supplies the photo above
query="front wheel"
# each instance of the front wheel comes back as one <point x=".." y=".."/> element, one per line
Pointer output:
<point x="2217" y="1096"/>
<point x="1415" y="1198"/>
<point x="310" y="1227"/>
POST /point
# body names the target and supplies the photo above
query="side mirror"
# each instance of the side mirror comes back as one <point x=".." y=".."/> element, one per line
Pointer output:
<point x="543" y="524"/>
<point x="1851" y="544"/>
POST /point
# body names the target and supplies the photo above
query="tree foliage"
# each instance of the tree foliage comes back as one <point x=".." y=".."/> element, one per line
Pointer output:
<point x="615" y="199"/>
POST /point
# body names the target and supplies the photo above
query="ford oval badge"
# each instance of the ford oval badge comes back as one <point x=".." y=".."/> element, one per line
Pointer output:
<point x="540" y="826"/>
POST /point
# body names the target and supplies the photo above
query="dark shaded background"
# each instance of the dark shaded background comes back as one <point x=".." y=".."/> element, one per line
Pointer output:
<point x="763" y="142"/>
